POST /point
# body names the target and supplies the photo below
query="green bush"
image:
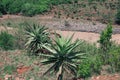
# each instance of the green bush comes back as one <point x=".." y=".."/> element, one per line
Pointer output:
<point x="15" y="7"/>
<point x="117" y="19"/>
<point x="1" y="8"/>
<point x="105" y="42"/>
<point x="5" y="4"/>
<point x="96" y="64"/>
<point x="6" y="41"/>
<point x="84" y="69"/>
<point x="0" y="14"/>
<point x="89" y="67"/>
<point x="105" y="37"/>
<point x="114" y="58"/>
<point x="28" y="9"/>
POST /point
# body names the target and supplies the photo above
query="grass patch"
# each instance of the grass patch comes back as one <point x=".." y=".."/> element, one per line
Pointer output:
<point x="6" y="41"/>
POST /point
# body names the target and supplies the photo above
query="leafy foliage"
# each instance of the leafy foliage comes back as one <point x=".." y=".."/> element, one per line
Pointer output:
<point x="85" y="69"/>
<point x="114" y="58"/>
<point x="105" y="42"/>
<point x="5" y="6"/>
<point x="63" y="57"/>
<point x="6" y="41"/>
<point x="28" y="7"/>
<point x="0" y="14"/>
<point x="92" y="64"/>
<point x="105" y="37"/>
<point x="15" y="6"/>
<point x="117" y="19"/>
<point x="36" y="37"/>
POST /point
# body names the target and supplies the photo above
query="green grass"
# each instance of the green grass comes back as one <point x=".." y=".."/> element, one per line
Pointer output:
<point x="6" y="41"/>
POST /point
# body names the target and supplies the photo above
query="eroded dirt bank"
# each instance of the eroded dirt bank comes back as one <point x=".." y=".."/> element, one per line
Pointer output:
<point x="82" y="29"/>
<point x="87" y="36"/>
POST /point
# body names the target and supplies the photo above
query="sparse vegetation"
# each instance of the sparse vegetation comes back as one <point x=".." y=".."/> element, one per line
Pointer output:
<point x="55" y="56"/>
<point x="75" y="9"/>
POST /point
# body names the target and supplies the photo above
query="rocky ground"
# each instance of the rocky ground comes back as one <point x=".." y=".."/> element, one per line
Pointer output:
<point x="65" y="24"/>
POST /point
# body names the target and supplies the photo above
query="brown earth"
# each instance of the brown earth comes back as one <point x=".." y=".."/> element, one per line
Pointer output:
<point x="107" y="77"/>
<point x="87" y="36"/>
<point x="21" y="70"/>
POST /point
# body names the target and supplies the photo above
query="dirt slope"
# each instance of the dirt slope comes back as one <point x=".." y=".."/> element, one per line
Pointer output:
<point x="87" y="36"/>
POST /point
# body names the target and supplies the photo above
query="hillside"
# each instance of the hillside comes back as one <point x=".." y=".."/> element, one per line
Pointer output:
<point x="95" y="10"/>
<point x="59" y="39"/>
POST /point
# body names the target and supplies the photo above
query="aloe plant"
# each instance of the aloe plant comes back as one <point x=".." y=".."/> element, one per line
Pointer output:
<point x="63" y="57"/>
<point x="36" y="37"/>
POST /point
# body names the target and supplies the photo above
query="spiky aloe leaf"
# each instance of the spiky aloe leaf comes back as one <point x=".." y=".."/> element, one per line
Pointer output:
<point x="63" y="56"/>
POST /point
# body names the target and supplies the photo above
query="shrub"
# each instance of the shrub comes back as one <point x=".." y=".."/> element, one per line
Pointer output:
<point x="84" y="69"/>
<point x="105" y="41"/>
<point x="28" y="9"/>
<point x="96" y="64"/>
<point x="105" y="37"/>
<point x="5" y="6"/>
<point x="6" y="41"/>
<point x="114" y="58"/>
<point x="89" y="67"/>
<point x="117" y="19"/>
<point x="92" y="64"/>
<point x="15" y="7"/>
<point x="0" y="14"/>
